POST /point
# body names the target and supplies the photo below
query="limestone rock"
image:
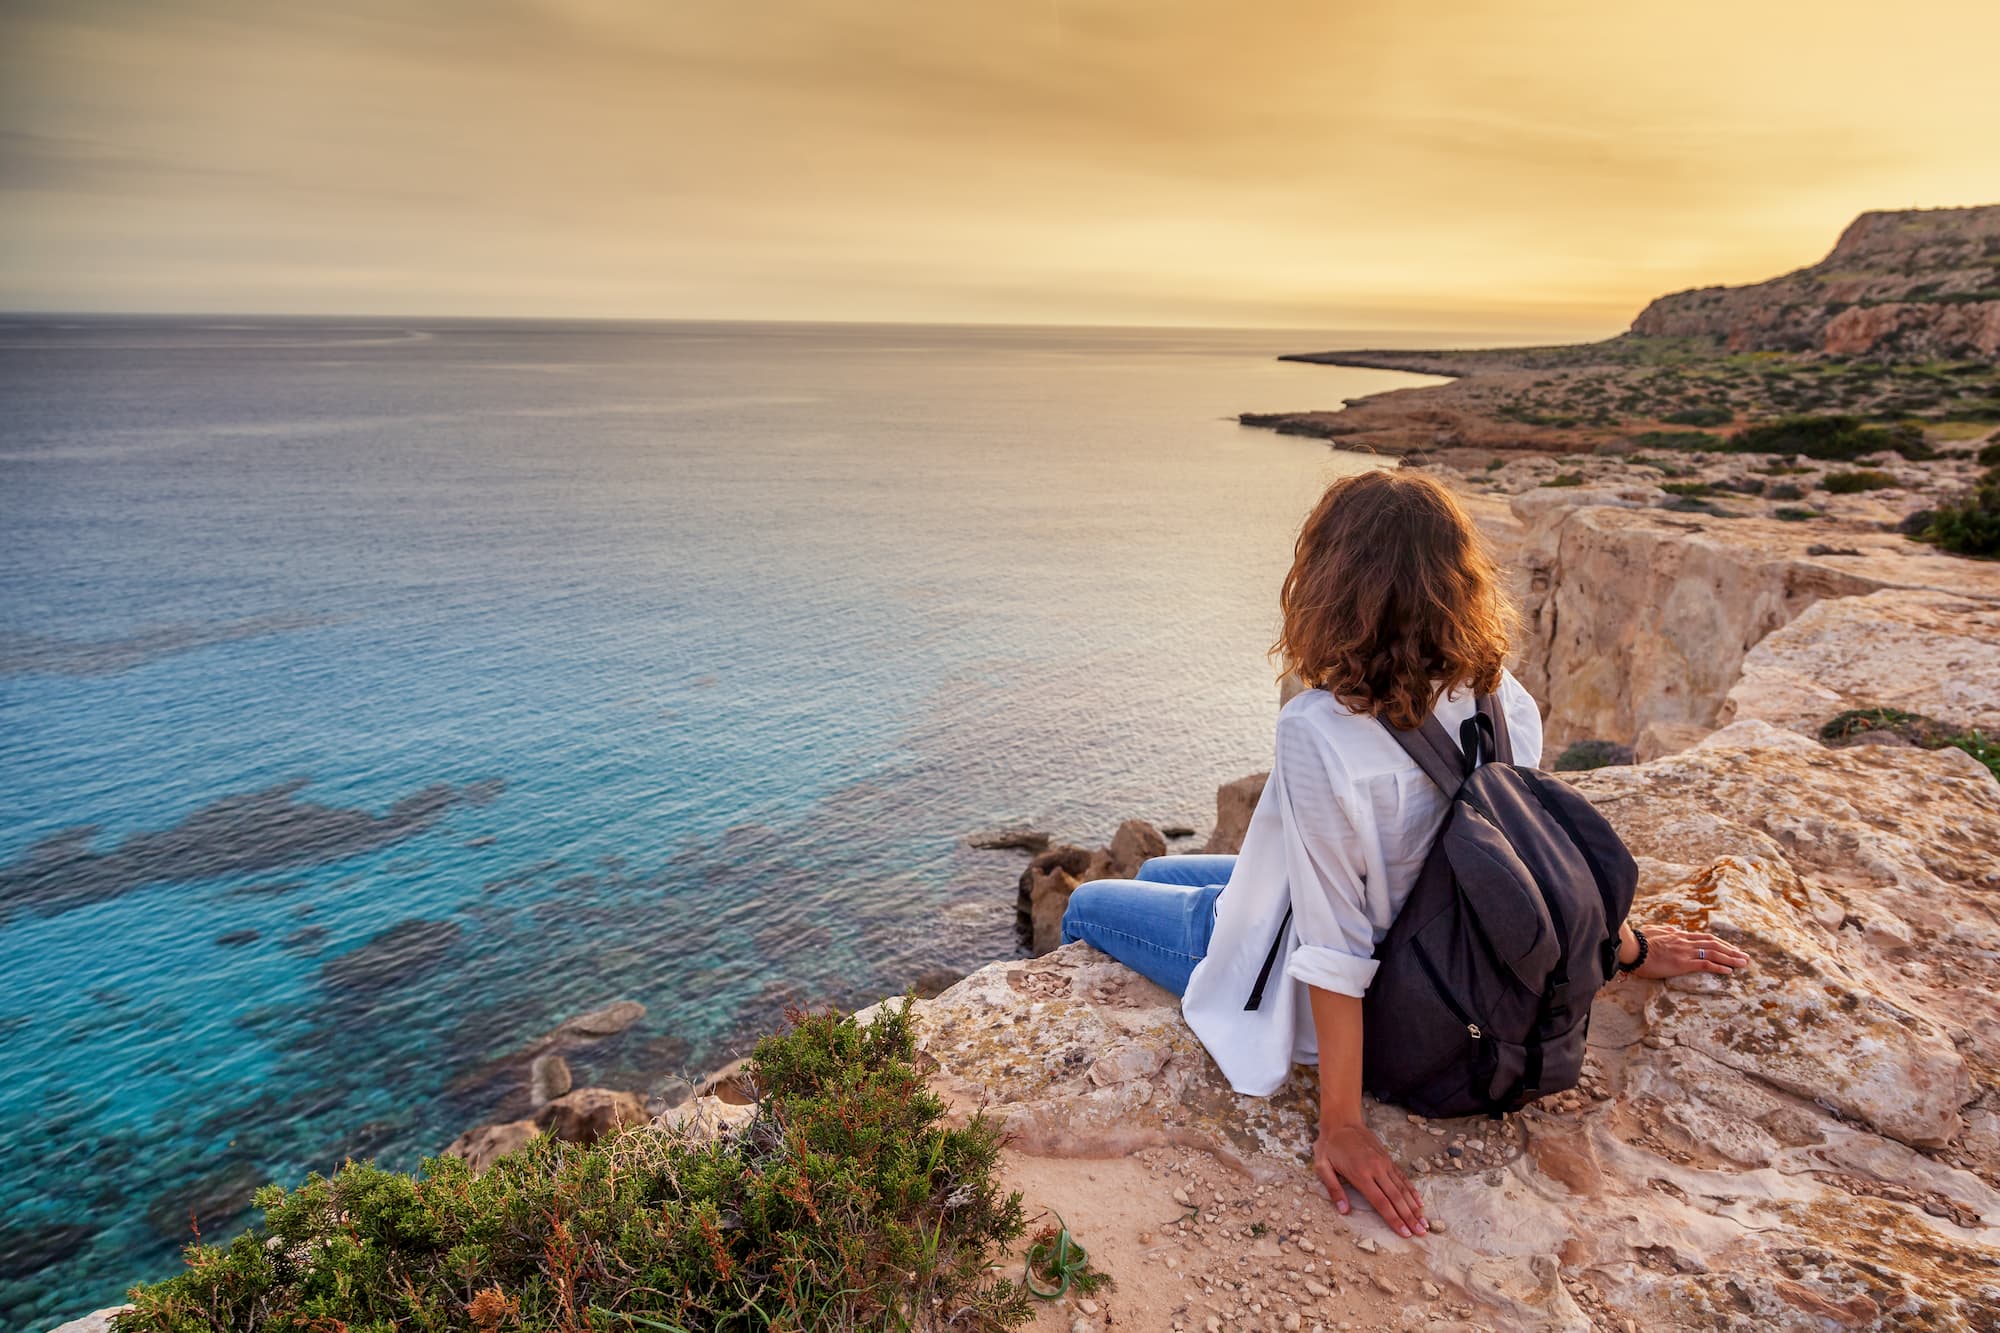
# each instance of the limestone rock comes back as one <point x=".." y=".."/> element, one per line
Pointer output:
<point x="1132" y="845"/>
<point x="1710" y="590"/>
<point x="704" y="1118"/>
<point x="1050" y="899"/>
<point x="97" y="1321"/>
<point x="1010" y="839"/>
<point x="1235" y="802"/>
<point x="1664" y="738"/>
<point x="1052" y="875"/>
<point x="588" y="1114"/>
<point x="483" y="1146"/>
<point x="731" y="1084"/>
<point x="1043" y="891"/>
<point x="1922" y="651"/>
<point x="1543" y="502"/>
<point x="1889" y="1067"/>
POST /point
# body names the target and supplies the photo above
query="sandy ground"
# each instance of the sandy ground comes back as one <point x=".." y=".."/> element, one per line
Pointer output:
<point x="1236" y="1255"/>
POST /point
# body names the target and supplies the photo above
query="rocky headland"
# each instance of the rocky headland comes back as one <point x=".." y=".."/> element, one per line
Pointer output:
<point x="1901" y="321"/>
<point x="1922" y="283"/>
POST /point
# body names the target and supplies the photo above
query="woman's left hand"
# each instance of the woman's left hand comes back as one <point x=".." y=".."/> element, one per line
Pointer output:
<point x="1673" y="952"/>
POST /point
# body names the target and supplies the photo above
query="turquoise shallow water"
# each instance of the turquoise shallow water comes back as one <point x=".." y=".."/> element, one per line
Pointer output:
<point x="375" y="695"/>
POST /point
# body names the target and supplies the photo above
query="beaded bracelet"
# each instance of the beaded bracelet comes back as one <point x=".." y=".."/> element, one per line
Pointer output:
<point x="1640" y="961"/>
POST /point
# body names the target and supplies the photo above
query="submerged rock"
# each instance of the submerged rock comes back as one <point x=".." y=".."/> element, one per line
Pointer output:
<point x="391" y="958"/>
<point x="245" y="833"/>
<point x="548" y="1079"/>
<point x="934" y="981"/>
<point x="26" y="1248"/>
<point x="207" y="1204"/>
<point x="613" y="1018"/>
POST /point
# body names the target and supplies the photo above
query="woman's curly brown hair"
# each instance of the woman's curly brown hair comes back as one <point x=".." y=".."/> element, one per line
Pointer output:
<point x="1392" y="598"/>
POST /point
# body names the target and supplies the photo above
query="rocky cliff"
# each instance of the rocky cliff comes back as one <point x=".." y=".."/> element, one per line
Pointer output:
<point x="1646" y="608"/>
<point x="1921" y="284"/>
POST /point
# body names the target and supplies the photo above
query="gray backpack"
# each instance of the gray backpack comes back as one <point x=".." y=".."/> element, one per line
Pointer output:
<point x="1481" y="999"/>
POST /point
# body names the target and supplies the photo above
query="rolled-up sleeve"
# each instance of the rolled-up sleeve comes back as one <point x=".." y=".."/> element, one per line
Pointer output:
<point x="1323" y="863"/>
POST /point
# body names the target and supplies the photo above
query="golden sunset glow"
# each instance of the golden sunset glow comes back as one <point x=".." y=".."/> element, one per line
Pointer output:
<point x="1543" y="166"/>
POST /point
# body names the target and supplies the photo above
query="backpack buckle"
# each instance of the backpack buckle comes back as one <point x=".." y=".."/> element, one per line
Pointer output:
<point x="1609" y="966"/>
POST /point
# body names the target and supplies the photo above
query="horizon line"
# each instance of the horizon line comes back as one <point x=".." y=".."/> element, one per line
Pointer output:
<point x="36" y="314"/>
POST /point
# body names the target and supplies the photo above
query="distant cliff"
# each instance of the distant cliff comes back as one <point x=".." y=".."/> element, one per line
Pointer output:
<point x="1913" y="285"/>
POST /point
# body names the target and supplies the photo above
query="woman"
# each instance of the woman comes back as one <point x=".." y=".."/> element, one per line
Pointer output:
<point x="1392" y="609"/>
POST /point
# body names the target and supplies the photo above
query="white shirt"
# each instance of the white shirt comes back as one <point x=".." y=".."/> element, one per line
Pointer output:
<point x="1343" y="826"/>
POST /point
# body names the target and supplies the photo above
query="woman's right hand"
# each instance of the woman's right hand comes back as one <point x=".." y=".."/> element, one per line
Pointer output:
<point x="1350" y="1152"/>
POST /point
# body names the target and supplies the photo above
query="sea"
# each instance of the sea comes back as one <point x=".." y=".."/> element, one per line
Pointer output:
<point x="375" y="695"/>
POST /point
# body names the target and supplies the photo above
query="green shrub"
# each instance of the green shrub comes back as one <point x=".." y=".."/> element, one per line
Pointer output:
<point x="1695" y="440"/>
<point x="1969" y="525"/>
<point x="1830" y="437"/>
<point x="1794" y="513"/>
<point x="1985" y="751"/>
<point x="1990" y="455"/>
<point x="1851" y="723"/>
<point x="1915" y="728"/>
<point x="1785" y="490"/>
<point x="1700" y="416"/>
<point x="1687" y="488"/>
<point x="1860" y="479"/>
<point x="844" y="1204"/>
<point x="1585" y="755"/>
<point x="1565" y="479"/>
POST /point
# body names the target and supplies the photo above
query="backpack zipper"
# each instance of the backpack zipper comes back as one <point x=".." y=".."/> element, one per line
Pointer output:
<point x="1437" y="984"/>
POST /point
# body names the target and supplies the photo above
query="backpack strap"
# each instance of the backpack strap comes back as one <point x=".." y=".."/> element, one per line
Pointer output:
<point x="1256" y="999"/>
<point x="1445" y="763"/>
<point x="1488" y="707"/>
<point x="1431" y="746"/>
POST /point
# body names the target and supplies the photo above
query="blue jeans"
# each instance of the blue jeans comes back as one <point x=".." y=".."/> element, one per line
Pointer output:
<point x="1157" y="923"/>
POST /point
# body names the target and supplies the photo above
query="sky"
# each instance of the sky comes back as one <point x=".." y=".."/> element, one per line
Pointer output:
<point x="1529" y="166"/>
